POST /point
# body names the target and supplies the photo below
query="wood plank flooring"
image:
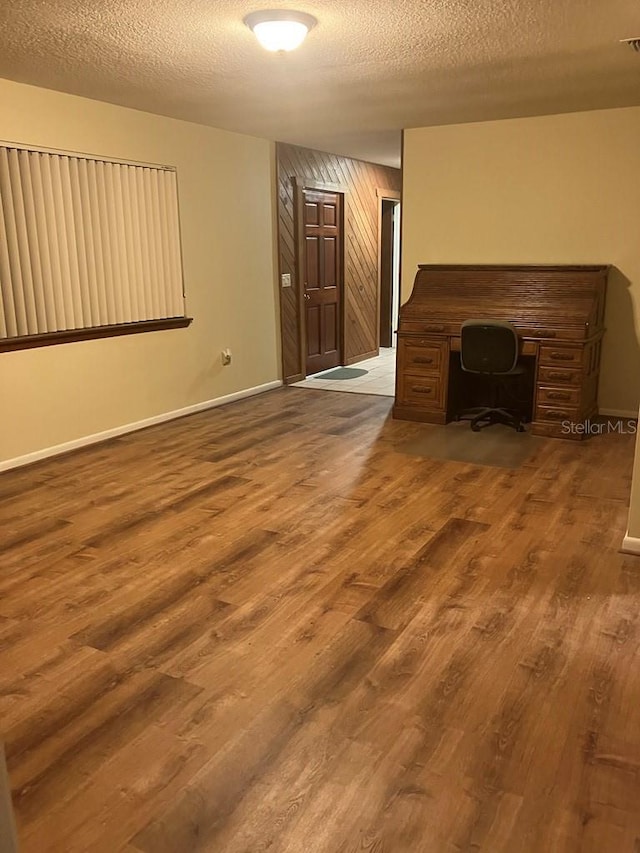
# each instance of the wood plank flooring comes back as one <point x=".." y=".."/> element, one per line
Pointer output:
<point x="263" y="628"/>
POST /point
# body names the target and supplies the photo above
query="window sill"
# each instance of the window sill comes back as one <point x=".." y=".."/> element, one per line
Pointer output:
<point x="72" y="335"/>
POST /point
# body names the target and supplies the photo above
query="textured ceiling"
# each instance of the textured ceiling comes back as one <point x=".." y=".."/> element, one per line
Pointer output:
<point x="370" y="67"/>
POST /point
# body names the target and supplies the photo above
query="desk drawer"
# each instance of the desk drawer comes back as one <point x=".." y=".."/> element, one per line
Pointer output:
<point x="556" y="414"/>
<point x="567" y="333"/>
<point x="558" y="396"/>
<point x="425" y="391"/>
<point x="421" y="356"/>
<point x="425" y="327"/>
<point x="562" y="356"/>
<point x="559" y="376"/>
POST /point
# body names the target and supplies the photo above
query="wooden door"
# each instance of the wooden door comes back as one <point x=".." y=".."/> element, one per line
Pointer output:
<point x="322" y="278"/>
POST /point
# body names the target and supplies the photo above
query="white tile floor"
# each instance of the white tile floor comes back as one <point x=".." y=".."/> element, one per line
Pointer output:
<point x="379" y="379"/>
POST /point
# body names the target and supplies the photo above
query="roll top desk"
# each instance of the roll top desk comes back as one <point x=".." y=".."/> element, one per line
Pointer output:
<point x="558" y="312"/>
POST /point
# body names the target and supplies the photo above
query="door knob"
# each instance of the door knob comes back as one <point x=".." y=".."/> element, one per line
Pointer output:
<point x="306" y="296"/>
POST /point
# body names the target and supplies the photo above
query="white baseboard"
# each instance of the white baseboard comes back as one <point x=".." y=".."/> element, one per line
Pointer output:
<point x="630" y="544"/>
<point x="619" y="413"/>
<point x="85" y="440"/>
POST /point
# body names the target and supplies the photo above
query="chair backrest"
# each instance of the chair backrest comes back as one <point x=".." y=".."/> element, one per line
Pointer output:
<point x="488" y="346"/>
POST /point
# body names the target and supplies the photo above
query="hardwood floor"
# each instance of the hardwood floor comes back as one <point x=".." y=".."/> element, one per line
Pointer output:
<point x="264" y="628"/>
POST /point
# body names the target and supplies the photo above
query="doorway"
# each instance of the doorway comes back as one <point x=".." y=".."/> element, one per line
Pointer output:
<point x="322" y="278"/>
<point x="389" y="215"/>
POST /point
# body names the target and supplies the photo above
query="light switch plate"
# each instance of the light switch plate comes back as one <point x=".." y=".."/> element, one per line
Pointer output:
<point x="286" y="279"/>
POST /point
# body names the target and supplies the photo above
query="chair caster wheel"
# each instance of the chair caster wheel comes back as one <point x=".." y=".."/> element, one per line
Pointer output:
<point x="475" y="428"/>
<point x="520" y="428"/>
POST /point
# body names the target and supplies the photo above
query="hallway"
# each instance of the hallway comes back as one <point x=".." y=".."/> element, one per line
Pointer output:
<point x="379" y="377"/>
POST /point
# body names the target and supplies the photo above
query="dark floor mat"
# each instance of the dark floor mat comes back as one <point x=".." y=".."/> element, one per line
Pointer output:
<point x="343" y="373"/>
<point x="497" y="446"/>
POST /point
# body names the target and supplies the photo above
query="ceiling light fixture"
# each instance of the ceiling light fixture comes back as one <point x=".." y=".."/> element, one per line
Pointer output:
<point x="280" y="29"/>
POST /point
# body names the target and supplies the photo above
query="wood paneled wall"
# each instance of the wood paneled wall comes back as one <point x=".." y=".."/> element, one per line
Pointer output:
<point x="360" y="181"/>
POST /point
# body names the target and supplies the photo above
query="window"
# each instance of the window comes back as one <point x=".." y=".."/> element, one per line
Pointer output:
<point x="88" y="248"/>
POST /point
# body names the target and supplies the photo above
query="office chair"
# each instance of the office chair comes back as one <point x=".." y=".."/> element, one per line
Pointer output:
<point x="490" y="348"/>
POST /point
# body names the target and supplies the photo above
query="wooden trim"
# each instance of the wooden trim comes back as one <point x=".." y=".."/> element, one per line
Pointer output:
<point x="386" y="195"/>
<point x="323" y="186"/>
<point x="379" y="265"/>
<point x="291" y="380"/>
<point x="298" y="220"/>
<point x="363" y="357"/>
<point x="343" y="275"/>
<point x="390" y="195"/>
<point x="520" y="267"/>
<point x="72" y="335"/>
<point x="301" y="184"/>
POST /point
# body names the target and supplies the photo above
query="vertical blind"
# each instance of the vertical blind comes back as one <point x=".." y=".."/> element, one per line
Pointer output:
<point x="86" y="243"/>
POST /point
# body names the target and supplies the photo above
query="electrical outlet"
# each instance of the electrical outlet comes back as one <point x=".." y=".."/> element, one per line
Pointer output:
<point x="226" y="356"/>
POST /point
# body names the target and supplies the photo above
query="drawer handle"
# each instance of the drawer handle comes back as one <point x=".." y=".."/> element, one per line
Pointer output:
<point x="562" y="356"/>
<point x="421" y="359"/>
<point x="434" y="328"/>
<point x="561" y="375"/>
<point x="558" y="395"/>
<point x="422" y="389"/>
<point x="557" y="416"/>
<point x="543" y="333"/>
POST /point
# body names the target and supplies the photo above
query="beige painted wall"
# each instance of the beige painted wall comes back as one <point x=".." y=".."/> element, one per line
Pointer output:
<point x="556" y="189"/>
<point x="226" y="187"/>
<point x="634" y="504"/>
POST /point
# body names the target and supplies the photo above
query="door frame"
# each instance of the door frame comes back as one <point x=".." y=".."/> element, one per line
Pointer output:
<point x="300" y="184"/>
<point x="384" y="195"/>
